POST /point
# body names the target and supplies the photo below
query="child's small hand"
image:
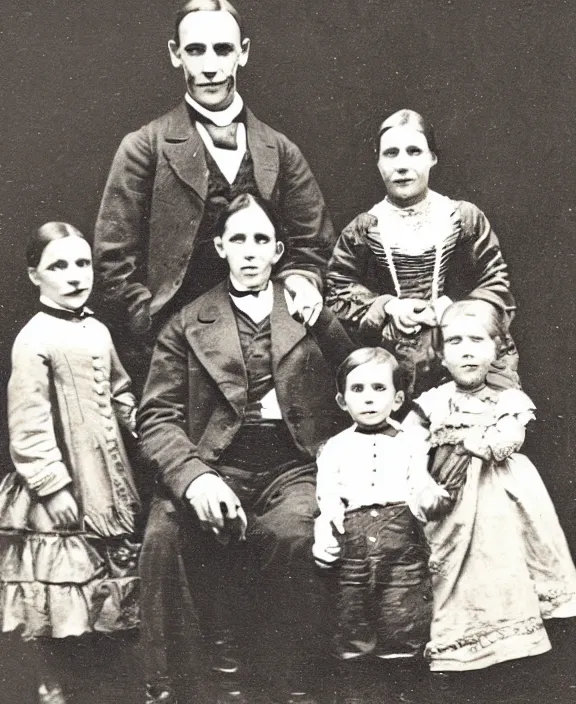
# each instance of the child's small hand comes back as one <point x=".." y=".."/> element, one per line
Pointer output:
<point x="62" y="508"/>
<point x="326" y="549"/>
<point x="475" y="443"/>
<point x="436" y="504"/>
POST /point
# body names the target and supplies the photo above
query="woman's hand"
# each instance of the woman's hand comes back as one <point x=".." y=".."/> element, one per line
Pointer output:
<point x="62" y="508"/>
<point x="410" y="314"/>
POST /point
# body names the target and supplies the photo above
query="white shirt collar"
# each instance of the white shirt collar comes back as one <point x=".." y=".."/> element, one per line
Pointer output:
<point x="256" y="307"/>
<point x="222" y="118"/>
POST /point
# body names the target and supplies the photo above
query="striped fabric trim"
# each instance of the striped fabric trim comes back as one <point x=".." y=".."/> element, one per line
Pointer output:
<point x="436" y="227"/>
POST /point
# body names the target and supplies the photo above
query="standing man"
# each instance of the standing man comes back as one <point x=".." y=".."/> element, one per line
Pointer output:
<point x="170" y="179"/>
<point x="154" y="253"/>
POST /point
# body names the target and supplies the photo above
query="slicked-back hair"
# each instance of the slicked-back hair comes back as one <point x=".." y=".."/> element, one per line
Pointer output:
<point x="368" y="355"/>
<point x="410" y="118"/>
<point x="491" y="318"/>
<point x="41" y="238"/>
<point x="206" y="6"/>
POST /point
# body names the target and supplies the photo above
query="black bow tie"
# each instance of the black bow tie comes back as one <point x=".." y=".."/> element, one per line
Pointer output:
<point x="241" y="294"/>
<point x="222" y="137"/>
<point x="78" y="314"/>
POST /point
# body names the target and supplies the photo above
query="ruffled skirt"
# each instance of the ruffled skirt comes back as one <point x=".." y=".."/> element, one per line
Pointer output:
<point x="500" y="564"/>
<point x="58" y="584"/>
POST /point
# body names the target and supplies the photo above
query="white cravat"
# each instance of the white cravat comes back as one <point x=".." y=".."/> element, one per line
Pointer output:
<point x="228" y="160"/>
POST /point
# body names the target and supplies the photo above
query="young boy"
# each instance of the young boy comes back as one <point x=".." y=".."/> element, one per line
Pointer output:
<point x="372" y="482"/>
<point x="237" y="402"/>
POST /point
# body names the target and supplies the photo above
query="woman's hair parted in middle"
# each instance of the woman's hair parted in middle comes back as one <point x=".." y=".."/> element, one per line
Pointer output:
<point x="367" y="355"/>
<point x="41" y="238"/>
<point x="410" y="118"/>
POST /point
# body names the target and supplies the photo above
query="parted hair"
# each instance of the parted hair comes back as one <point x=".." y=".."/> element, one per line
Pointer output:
<point x="367" y="355"/>
<point x="206" y="6"/>
<point x="41" y="238"/>
<point x="246" y="200"/>
<point x="411" y="118"/>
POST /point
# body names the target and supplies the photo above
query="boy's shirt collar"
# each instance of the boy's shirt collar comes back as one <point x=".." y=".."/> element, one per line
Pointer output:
<point x="392" y="428"/>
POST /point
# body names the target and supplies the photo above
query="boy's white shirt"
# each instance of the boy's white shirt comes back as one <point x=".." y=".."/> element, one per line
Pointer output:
<point x="371" y="469"/>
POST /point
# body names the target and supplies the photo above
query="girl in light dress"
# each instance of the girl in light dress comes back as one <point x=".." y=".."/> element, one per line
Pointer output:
<point x="396" y="268"/>
<point x="499" y="560"/>
<point x="68" y="510"/>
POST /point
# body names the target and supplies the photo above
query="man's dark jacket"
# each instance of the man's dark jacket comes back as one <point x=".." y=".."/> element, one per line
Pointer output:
<point x="153" y="205"/>
<point x="196" y="394"/>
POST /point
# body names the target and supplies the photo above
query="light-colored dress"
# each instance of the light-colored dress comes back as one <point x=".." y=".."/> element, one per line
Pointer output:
<point x="499" y="560"/>
<point x="67" y="395"/>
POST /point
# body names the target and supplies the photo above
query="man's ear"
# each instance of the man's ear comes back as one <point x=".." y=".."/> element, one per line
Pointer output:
<point x="174" y="49"/>
<point x="245" y="51"/>
<point x="341" y="402"/>
<point x="219" y="247"/>
<point x="398" y="400"/>
<point x="279" y="252"/>
<point x="33" y="276"/>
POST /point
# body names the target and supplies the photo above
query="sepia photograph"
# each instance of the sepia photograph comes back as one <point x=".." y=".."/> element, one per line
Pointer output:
<point x="287" y="368"/>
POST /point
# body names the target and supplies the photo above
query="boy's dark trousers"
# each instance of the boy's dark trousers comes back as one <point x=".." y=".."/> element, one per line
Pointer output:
<point x="383" y="595"/>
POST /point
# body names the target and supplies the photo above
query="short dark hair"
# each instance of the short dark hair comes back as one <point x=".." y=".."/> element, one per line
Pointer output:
<point x="365" y="355"/>
<point x="243" y="201"/>
<point x="413" y="119"/>
<point x="41" y="238"/>
<point x="206" y="6"/>
<point x="492" y="318"/>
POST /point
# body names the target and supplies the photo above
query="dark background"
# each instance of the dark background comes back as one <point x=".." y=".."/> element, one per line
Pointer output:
<point x="497" y="78"/>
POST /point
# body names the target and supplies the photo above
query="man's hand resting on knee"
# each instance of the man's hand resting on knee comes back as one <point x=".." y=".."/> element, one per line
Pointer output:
<point x="217" y="507"/>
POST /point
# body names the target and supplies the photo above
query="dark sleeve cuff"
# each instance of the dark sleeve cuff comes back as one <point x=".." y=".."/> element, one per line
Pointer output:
<point x="179" y="482"/>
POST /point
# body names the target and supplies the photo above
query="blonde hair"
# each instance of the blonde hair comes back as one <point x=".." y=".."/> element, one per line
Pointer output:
<point x="490" y="317"/>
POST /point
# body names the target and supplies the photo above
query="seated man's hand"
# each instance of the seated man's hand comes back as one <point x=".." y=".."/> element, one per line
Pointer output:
<point x="306" y="297"/>
<point x="217" y="507"/>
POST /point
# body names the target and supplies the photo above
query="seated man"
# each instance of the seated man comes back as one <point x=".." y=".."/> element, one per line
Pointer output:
<point x="239" y="397"/>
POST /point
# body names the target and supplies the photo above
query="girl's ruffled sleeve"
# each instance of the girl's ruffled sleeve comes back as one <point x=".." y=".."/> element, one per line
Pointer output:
<point x="514" y="402"/>
<point x="513" y="412"/>
<point x="33" y="447"/>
